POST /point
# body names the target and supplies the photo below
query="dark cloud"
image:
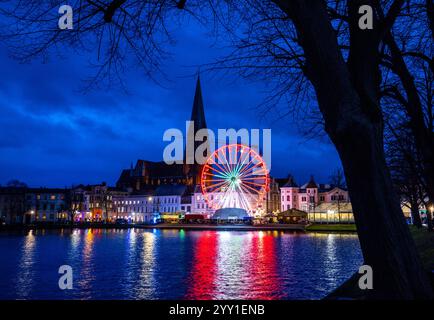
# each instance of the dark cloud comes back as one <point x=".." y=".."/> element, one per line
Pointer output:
<point x="54" y="134"/>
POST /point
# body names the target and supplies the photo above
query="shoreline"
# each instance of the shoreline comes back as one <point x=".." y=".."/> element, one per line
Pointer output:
<point x="295" y="227"/>
<point x="163" y="226"/>
<point x="168" y="226"/>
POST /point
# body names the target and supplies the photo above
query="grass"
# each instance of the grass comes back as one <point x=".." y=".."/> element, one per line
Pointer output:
<point x="424" y="241"/>
<point x="332" y="227"/>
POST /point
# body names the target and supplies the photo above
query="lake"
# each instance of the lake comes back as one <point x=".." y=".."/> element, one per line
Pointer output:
<point x="175" y="264"/>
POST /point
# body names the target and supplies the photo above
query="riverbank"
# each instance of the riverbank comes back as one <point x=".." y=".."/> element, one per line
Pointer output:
<point x="223" y="227"/>
<point x="332" y="227"/>
<point x="234" y="227"/>
<point x="229" y="227"/>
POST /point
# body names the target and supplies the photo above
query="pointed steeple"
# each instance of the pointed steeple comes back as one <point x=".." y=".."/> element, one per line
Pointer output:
<point x="198" y="116"/>
<point x="311" y="183"/>
<point x="198" y="113"/>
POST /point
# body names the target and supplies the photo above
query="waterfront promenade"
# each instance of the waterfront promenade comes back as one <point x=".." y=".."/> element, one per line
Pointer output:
<point x="189" y="226"/>
<point x="229" y="227"/>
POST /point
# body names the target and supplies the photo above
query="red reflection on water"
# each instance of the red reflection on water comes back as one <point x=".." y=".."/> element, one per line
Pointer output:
<point x="264" y="277"/>
<point x="255" y="276"/>
<point x="202" y="281"/>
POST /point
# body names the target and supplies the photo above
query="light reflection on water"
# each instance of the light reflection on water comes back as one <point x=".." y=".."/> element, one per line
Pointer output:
<point x="176" y="264"/>
<point x="25" y="270"/>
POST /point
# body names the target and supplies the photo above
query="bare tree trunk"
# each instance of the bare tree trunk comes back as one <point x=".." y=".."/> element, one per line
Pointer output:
<point x="347" y="99"/>
<point x="415" y="216"/>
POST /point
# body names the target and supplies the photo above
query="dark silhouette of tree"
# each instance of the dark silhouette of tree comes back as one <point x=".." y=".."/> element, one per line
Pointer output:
<point x="16" y="184"/>
<point x="308" y="49"/>
<point x="337" y="179"/>
<point x="405" y="168"/>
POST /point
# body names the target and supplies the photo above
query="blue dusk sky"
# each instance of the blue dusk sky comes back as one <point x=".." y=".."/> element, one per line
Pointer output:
<point x="54" y="134"/>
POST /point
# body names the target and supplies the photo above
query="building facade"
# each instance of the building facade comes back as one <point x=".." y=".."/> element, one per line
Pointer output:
<point x="12" y="205"/>
<point x="93" y="203"/>
<point x="47" y="205"/>
<point x="166" y="203"/>
<point x="310" y="195"/>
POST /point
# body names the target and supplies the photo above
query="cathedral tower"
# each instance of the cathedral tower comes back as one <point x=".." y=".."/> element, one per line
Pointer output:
<point x="198" y="117"/>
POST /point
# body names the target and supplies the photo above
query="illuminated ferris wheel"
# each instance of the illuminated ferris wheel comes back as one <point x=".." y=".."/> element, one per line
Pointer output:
<point x="234" y="176"/>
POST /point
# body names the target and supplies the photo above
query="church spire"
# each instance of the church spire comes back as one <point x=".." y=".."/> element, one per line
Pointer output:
<point x="198" y="116"/>
<point x="198" y="113"/>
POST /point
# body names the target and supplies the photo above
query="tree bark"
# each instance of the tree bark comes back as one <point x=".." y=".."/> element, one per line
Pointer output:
<point x="415" y="216"/>
<point x="347" y="100"/>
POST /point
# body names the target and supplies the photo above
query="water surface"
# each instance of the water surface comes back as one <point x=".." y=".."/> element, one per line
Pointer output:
<point x="175" y="264"/>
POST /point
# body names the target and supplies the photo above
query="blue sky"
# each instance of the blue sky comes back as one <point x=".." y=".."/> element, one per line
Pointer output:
<point x="53" y="134"/>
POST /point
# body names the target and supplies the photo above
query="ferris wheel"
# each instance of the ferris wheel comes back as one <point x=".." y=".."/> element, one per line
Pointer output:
<point x="235" y="176"/>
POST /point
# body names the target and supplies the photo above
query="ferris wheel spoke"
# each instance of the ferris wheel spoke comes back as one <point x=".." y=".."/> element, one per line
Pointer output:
<point x="224" y="170"/>
<point x="253" y="178"/>
<point x="240" y="166"/>
<point x="224" y="162"/>
<point x="253" y="184"/>
<point x="250" y="170"/>
<point x="221" y="173"/>
<point x="251" y="188"/>
<point x="247" y="201"/>
<point x="212" y="180"/>
<point x="250" y="165"/>
<point x="217" y="185"/>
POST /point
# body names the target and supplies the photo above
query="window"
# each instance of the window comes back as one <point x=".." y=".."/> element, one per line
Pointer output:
<point x="303" y="199"/>
<point x="288" y="198"/>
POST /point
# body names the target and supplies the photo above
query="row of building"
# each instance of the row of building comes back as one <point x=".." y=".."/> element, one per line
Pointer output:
<point x="167" y="202"/>
<point x="152" y="191"/>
